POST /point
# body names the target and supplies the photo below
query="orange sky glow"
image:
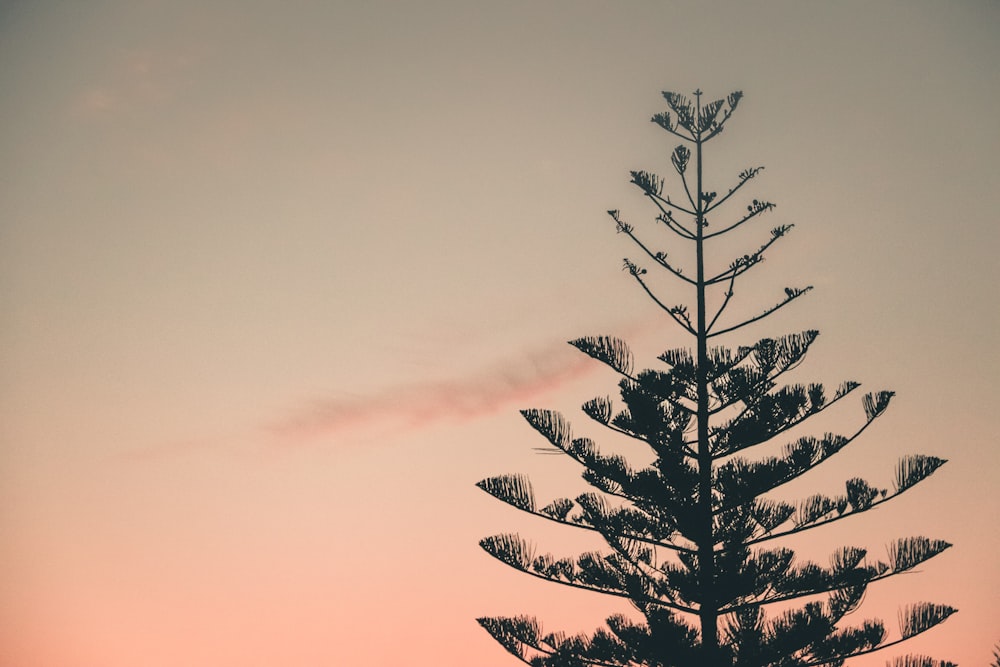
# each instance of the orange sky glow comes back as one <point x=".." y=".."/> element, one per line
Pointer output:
<point x="276" y="278"/>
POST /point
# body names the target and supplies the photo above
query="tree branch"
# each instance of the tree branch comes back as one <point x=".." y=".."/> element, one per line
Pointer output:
<point x="824" y="522"/>
<point x="895" y="642"/>
<point x="659" y="199"/>
<point x="755" y="209"/>
<point x="745" y="176"/>
<point x="795" y="473"/>
<point x="658" y="257"/>
<point x="673" y="311"/>
<point x="606" y="591"/>
<point x="638" y="436"/>
<point x="725" y="302"/>
<point x="791" y="295"/>
<point x="739" y="266"/>
<point x="790" y="425"/>
<point x="667" y="218"/>
<point x="718" y="125"/>
<point x="687" y="191"/>
<point x="651" y="541"/>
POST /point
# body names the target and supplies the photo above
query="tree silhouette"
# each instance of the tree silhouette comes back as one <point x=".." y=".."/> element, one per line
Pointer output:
<point x="694" y="537"/>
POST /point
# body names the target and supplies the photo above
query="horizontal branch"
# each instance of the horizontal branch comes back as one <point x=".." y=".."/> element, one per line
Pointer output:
<point x="785" y="597"/>
<point x="831" y="519"/>
<point x="880" y="647"/>
<point x="605" y="591"/>
<point x="651" y="541"/>
<point x="786" y="427"/>
<point x="790" y="295"/>
<point x="690" y="453"/>
<point x="755" y="209"/>
<point x="794" y="474"/>
<point x="745" y="176"/>
<point x="514" y="642"/>
<point x="741" y="265"/>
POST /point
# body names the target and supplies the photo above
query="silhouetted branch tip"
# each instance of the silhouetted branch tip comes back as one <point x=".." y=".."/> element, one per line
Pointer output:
<point x="680" y="158"/>
<point x="649" y="183"/>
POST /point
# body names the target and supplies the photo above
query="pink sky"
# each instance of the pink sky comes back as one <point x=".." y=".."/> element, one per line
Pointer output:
<point x="274" y="283"/>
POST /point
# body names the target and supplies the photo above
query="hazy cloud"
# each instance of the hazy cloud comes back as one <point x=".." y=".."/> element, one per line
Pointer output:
<point x="96" y="101"/>
<point x="138" y="79"/>
<point x="486" y="391"/>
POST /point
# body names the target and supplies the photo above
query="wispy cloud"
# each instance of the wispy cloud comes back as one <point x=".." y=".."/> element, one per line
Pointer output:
<point x="95" y="101"/>
<point x="489" y="390"/>
<point x="136" y="80"/>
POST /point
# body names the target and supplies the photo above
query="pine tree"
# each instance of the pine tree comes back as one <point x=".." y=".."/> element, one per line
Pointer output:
<point x="695" y="537"/>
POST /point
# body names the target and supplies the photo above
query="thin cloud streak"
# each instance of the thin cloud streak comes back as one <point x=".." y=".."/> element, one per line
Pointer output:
<point x="422" y="405"/>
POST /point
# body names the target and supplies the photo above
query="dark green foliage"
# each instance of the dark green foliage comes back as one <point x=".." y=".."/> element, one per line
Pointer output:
<point x="690" y="534"/>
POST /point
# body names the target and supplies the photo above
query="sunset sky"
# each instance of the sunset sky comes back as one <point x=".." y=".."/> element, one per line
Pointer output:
<point x="275" y="278"/>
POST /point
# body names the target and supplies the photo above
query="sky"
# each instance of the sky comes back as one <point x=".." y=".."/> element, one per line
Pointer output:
<point x="275" y="279"/>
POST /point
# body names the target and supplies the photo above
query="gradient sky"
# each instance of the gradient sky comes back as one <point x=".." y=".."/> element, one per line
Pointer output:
<point x="276" y="277"/>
